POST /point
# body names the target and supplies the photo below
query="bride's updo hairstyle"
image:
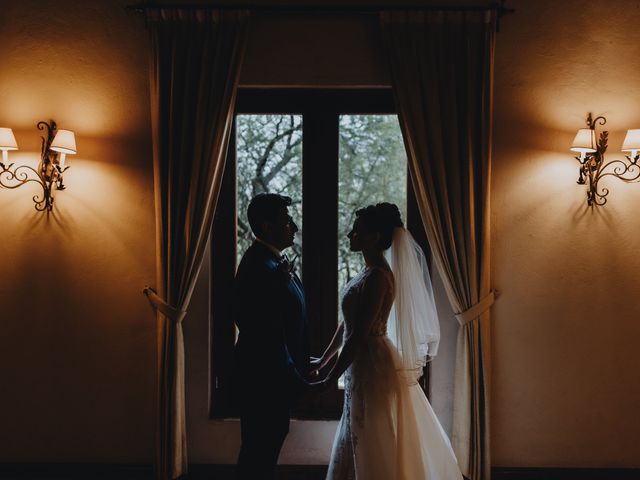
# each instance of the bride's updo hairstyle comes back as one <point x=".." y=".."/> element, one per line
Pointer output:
<point x="381" y="218"/>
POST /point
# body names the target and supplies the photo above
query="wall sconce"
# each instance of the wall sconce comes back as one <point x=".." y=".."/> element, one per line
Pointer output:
<point x="55" y="147"/>
<point x="591" y="159"/>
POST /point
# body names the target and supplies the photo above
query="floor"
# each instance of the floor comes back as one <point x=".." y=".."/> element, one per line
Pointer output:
<point x="61" y="471"/>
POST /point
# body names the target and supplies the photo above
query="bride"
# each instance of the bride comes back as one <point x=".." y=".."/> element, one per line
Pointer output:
<point x="388" y="430"/>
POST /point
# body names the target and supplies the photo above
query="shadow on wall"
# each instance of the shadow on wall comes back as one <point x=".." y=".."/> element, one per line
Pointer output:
<point x="82" y="332"/>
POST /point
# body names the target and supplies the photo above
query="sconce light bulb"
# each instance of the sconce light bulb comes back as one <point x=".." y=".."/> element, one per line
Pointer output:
<point x="62" y="158"/>
<point x="583" y="155"/>
<point x="5" y="157"/>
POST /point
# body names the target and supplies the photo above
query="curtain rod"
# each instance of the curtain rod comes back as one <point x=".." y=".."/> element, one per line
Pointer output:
<point x="500" y="8"/>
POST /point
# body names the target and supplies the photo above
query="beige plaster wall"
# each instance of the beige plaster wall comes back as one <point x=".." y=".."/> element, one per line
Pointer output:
<point x="78" y="340"/>
<point x="566" y="325"/>
<point x="77" y="356"/>
<point x="310" y="50"/>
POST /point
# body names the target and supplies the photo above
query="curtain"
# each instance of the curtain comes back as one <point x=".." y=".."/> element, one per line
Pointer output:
<point x="195" y="62"/>
<point x="441" y="67"/>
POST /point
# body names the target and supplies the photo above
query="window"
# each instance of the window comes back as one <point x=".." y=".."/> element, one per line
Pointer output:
<point x="332" y="151"/>
<point x="268" y="159"/>
<point x="372" y="169"/>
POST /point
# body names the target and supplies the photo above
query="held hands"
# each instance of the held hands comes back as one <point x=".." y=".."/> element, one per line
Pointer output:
<point x="316" y="365"/>
<point x="317" y="386"/>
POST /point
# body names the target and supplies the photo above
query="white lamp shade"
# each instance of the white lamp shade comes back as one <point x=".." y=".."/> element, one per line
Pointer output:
<point x="64" y="142"/>
<point x="585" y="141"/>
<point x="7" y="140"/>
<point x="631" y="141"/>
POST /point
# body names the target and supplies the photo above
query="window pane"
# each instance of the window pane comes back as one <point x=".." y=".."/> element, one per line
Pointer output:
<point x="269" y="156"/>
<point x="373" y="169"/>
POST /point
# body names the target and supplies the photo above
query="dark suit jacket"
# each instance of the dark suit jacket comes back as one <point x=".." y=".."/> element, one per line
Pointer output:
<point x="272" y="352"/>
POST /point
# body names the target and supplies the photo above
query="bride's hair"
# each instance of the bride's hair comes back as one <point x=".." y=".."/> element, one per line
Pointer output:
<point x="381" y="218"/>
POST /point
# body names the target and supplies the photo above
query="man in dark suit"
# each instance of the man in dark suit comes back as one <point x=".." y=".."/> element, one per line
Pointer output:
<point x="272" y="353"/>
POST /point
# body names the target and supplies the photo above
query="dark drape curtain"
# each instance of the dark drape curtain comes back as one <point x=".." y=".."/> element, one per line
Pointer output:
<point x="441" y="65"/>
<point x="195" y="62"/>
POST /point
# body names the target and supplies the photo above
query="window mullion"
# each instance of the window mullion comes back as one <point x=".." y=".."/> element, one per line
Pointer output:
<point x="223" y="267"/>
<point x="320" y="246"/>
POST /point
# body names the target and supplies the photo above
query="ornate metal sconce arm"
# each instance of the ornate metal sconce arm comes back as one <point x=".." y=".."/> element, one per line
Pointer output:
<point x="627" y="172"/>
<point x="592" y="122"/>
<point x="47" y="175"/>
<point x="22" y="175"/>
<point x="593" y="167"/>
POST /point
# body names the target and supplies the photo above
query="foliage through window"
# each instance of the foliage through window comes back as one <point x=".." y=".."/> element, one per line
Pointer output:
<point x="269" y="159"/>
<point x="373" y="168"/>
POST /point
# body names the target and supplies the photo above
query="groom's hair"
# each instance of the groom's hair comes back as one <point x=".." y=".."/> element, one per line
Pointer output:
<point x="265" y="207"/>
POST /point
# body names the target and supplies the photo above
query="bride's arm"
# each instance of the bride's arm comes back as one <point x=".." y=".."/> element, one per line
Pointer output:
<point x="371" y="302"/>
<point x="331" y="350"/>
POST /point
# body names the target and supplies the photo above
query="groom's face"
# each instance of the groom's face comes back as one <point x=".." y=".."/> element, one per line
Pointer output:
<point x="282" y="230"/>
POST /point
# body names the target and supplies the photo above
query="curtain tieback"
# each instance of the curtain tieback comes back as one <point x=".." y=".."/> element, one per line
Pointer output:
<point x="476" y="310"/>
<point x="167" y="310"/>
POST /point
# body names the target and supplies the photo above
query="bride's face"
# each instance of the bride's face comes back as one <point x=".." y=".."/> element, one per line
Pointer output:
<point x="360" y="238"/>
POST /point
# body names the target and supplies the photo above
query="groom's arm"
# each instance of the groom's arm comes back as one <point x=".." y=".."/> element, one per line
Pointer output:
<point x="262" y="322"/>
<point x="285" y="363"/>
<point x="294" y="379"/>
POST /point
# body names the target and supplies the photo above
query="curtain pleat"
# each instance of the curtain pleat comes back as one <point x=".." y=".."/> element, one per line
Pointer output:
<point x="195" y="61"/>
<point x="441" y="66"/>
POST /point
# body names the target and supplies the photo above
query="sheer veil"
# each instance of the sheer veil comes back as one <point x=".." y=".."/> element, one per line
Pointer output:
<point x="413" y="322"/>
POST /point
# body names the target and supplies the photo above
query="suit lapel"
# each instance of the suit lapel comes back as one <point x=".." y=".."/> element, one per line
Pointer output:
<point x="298" y="286"/>
<point x="268" y="255"/>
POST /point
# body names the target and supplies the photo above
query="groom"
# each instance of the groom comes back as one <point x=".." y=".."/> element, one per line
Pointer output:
<point x="272" y="353"/>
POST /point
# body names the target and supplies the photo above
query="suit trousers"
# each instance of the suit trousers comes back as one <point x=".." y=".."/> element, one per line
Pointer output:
<point x="263" y="430"/>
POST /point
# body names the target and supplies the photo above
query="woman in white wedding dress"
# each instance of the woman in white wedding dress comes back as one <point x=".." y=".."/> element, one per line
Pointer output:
<point x="388" y="430"/>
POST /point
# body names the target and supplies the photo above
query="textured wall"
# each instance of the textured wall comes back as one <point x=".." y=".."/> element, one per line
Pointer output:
<point x="315" y="50"/>
<point x="78" y="340"/>
<point x="566" y="325"/>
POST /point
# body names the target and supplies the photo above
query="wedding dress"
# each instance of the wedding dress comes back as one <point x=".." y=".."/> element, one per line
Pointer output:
<point x="388" y="430"/>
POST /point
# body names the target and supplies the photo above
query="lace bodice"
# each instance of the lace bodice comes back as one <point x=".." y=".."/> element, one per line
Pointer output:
<point x="353" y="298"/>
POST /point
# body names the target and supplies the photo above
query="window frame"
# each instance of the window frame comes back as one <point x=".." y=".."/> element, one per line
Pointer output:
<point x="320" y="110"/>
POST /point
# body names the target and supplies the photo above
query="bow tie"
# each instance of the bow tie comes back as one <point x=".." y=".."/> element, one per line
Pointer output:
<point x="292" y="262"/>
